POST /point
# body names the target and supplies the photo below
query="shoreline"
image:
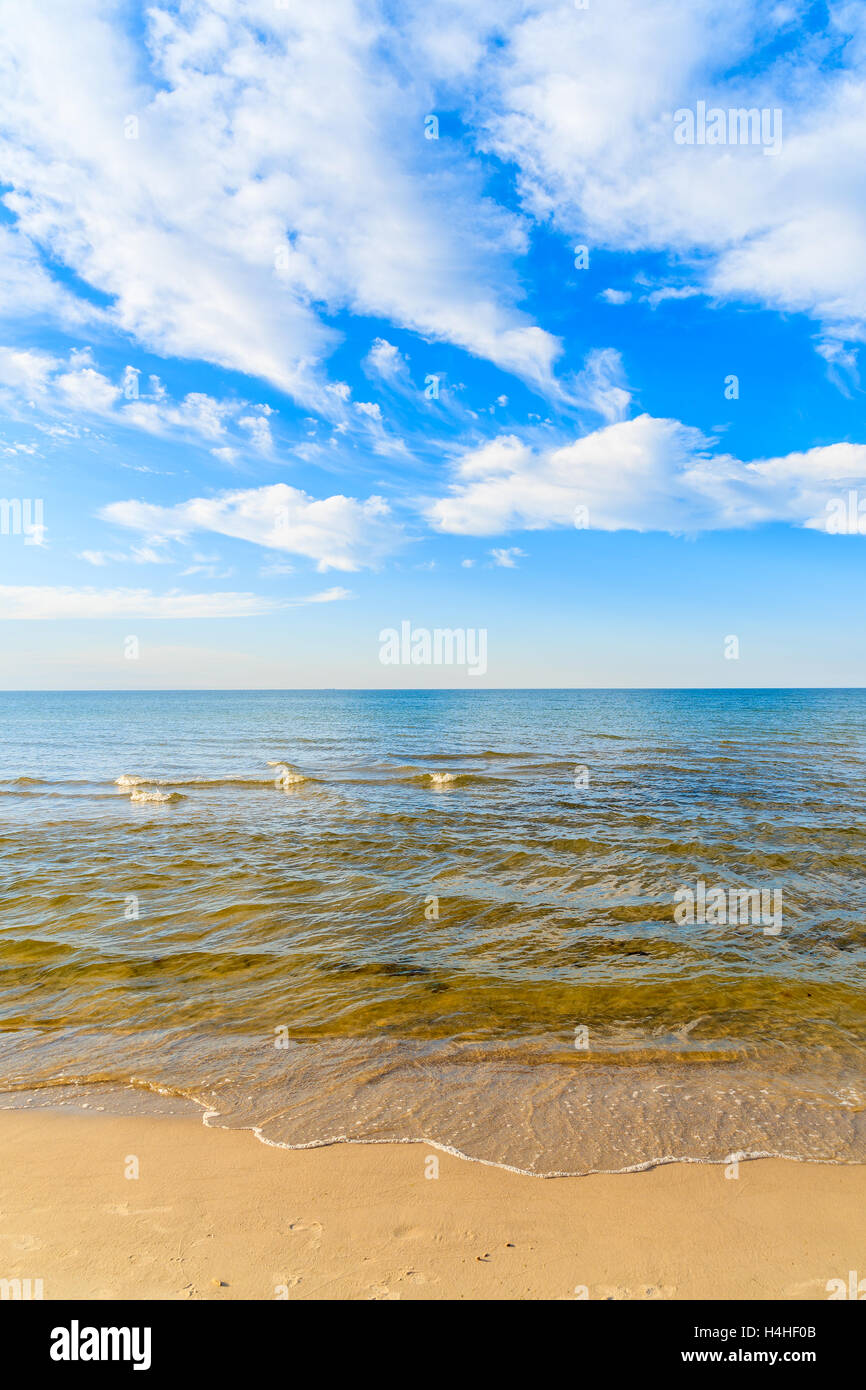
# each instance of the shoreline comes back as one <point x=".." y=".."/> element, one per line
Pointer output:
<point x="216" y="1214"/>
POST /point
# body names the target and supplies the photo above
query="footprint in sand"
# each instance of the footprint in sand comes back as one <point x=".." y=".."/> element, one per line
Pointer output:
<point x="380" y="1293"/>
<point x="27" y="1243"/>
<point x="312" y="1227"/>
<point x="810" y="1288"/>
<point x="409" y="1233"/>
<point x="647" y="1293"/>
<point x="122" y="1209"/>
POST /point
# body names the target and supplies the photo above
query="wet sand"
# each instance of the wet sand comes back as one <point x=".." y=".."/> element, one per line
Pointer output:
<point x="215" y="1214"/>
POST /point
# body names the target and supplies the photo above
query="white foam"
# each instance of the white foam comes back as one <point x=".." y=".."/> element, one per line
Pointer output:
<point x="210" y="1119"/>
<point x="288" y="776"/>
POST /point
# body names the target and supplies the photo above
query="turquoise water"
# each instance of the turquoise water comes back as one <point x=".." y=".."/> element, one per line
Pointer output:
<point x="445" y="915"/>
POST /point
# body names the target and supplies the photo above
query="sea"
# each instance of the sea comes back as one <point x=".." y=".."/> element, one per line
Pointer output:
<point x="561" y="931"/>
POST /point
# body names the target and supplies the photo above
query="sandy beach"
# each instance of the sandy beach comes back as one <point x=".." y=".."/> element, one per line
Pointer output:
<point x="215" y="1214"/>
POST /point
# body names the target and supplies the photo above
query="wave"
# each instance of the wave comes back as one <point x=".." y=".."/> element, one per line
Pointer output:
<point x="595" y="1127"/>
<point x="440" y="777"/>
<point x="143" y="794"/>
<point x="132" y="780"/>
<point x="287" y="775"/>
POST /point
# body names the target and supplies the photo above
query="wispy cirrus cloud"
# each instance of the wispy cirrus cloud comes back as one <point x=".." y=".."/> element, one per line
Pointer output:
<point x="586" y="118"/>
<point x="34" y="602"/>
<point x="137" y="555"/>
<point x="600" y="386"/>
<point x="28" y="290"/>
<point x="75" y="385"/>
<point x="249" y="163"/>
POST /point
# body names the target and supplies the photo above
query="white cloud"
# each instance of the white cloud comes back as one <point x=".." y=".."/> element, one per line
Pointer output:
<point x="259" y="431"/>
<point x="326" y="596"/>
<point x="19" y="448"/>
<point x="615" y="296"/>
<point x="197" y="414"/>
<point x="600" y="386"/>
<point x="88" y="390"/>
<point x="376" y="436"/>
<point x="386" y="361"/>
<point x="506" y="558"/>
<point x="276" y="567"/>
<point x="63" y="602"/>
<point x="46" y="601"/>
<point x="664" y="292"/>
<point x="26" y="371"/>
<point x="138" y="555"/>
<point x="76" y="384"/>
<point x="586" y="118"/>
<point x="27" y="289"/>
<point x="644" y="474"/>
<point x="277" y="163"/>
<point x="841" y="361"/>
<point x="336" y="532"/>
<point x="280" y="168"/>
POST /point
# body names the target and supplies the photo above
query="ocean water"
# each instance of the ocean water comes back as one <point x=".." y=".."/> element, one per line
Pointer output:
<point x="445" y="916"/>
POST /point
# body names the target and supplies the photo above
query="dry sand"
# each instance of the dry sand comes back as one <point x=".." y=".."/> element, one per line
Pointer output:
<point x="218" y="1215"/>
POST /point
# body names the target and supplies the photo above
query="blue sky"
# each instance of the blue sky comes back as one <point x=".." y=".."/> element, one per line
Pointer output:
<point x="279" y="372"/>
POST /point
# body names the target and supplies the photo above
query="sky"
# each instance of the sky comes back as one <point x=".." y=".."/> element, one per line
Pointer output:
<point x="540" y="321"/>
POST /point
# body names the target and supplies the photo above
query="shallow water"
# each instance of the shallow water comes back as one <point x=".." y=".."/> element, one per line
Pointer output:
<point x="396" y="915"/>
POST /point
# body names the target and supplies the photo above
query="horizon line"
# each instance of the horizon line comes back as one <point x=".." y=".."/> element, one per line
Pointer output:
<point x="402" y="690"/>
